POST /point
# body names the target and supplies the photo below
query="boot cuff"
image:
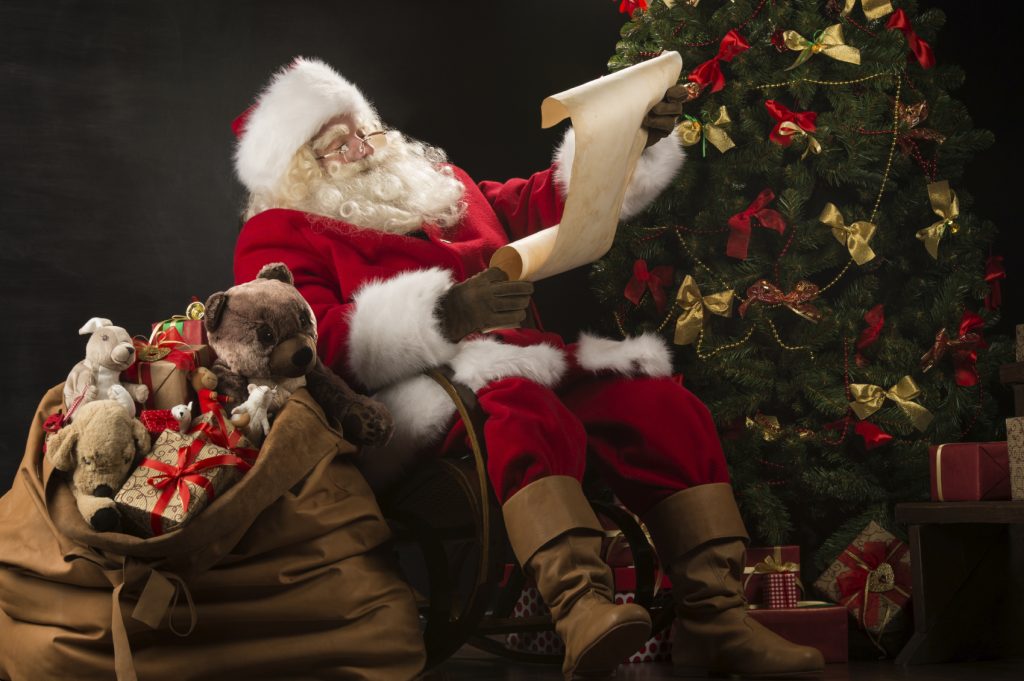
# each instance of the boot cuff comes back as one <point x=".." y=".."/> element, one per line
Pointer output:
<point x="545" y="509"/>
<point x="693" y="517"/>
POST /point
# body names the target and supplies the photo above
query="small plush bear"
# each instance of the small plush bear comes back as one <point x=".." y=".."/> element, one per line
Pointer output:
<point x="264" y="335"/>
<point x="98" y="377"/>
<point x="98" y="448"/>
<point x="204" y="382"/>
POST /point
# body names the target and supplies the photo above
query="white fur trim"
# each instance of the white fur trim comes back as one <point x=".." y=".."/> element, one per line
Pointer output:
<point x="299" y="99"/>
<point x="658" y="164"/>
<point x="483" y="360"/>
<point x="643" y="355"/>
<point x="394" y="330"/>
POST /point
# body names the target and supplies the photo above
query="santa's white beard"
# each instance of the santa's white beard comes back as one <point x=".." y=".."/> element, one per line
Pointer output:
<point x="397" y="189"/>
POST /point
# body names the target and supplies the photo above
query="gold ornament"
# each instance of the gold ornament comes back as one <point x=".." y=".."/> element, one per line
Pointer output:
<point x="855" y="237"/>
<point x="947" y="207"/>
<point x="829" y="42"/>
<point x="788" y="128"/>
<point x="768" y="425"/>
<point x="869" y="398"/>
<point x="195" y="310"/>
<point x="691" y="131"/>
<point x="873" y="9"/>
<point x="693" y="304"/>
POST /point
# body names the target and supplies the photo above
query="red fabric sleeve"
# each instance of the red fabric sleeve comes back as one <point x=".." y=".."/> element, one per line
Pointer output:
<point x="284" y="236"/>
<point x="526" y="206"/>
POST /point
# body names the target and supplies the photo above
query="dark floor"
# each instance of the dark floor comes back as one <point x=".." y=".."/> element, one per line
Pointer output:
<point x="472" y="665"/>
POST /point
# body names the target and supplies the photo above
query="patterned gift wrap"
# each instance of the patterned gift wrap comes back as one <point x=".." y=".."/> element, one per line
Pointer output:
<point x="871" y="578"/>
<point x="162" y="363"/>
<point x="780" y="590"/>
<point x="1015" y="449"/>
<point x="764" y="561"/>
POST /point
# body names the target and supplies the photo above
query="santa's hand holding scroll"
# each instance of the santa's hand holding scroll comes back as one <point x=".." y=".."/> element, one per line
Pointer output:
<point x="391" y="245"/>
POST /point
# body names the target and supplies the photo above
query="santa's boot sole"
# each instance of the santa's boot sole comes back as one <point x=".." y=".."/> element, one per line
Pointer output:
<point x="602" y="657"/>
<point x="702" y="672"/>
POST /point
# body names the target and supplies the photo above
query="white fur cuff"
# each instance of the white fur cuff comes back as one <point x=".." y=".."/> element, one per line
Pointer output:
<point x="395" y="331"/>
<point x="658" y="164"/>
<point x="643" y="355"/>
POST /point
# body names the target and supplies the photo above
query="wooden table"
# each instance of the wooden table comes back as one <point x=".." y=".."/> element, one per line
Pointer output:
<point x="967" y="569"/>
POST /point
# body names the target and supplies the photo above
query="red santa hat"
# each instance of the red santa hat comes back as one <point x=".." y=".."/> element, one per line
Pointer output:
<point x="299" y="99"/>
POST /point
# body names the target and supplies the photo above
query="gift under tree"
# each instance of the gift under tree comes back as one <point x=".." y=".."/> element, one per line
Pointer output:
<point x="816" y="262"/>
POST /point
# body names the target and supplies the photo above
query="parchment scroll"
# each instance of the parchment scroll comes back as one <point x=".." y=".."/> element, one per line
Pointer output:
<point x="606" y="115"/>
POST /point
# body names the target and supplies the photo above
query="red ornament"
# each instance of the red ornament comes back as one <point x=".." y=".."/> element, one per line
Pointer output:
<point x="875" y="317"/>
<point x="779" y="40"/>
<point x="922" y="50"/>
<point x="964" y="349"/>
<point x="804" y="119"/>
<point x="654" y="280"/>
<point x="741" y="224"/>
<point x="994" y="273"/>
<point x="709" y="74"/>
<point x="872" y="435"/>
<point x="628" y="6"/>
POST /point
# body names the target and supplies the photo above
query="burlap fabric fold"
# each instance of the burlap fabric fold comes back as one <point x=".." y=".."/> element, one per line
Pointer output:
<point x="284" y="576"/>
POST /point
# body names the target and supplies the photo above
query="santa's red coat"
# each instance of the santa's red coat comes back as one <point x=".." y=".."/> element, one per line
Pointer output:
<point x="375" y="298"/>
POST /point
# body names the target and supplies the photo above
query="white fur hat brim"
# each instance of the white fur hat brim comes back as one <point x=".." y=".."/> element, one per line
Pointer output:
<point x="299" y="99"/>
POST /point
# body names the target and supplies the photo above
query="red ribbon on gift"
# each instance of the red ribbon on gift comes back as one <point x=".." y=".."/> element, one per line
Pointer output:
<point x="166" y="344"/>
<point x="922" y="50"/>
<point x="994" y="273"/>
<point x="875" y="317"/>
<point x="798" y="300"/>
<point x="174" y="479"/>
<point x="877" y="584"/>
<point x="805" y="120"/>
<point x="710" y="72"/>
<point x="224" y="435"/>
<point x="655" y="280"/>
<point x="741" y="224"/>
<point x="964" y="348"/>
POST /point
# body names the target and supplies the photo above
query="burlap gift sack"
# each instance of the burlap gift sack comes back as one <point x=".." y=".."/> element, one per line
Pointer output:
<point x="282" y="577"/>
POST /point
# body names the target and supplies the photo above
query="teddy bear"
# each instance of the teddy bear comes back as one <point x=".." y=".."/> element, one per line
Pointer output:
<point x="98" y="448"/>
<point x="263" y="333"/>
<point x="109" y="352"/>
<point x="204" y="383"/>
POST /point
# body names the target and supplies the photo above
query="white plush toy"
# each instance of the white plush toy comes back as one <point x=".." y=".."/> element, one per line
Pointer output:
<point x="108" y="352"/>
<point x="182" y="413"/>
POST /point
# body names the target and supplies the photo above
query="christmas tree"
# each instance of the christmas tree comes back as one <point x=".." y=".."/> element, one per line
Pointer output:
<point x="816" y="262"/>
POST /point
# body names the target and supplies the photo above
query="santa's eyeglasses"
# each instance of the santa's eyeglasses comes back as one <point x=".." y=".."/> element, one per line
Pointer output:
<point x="375" y="140"/>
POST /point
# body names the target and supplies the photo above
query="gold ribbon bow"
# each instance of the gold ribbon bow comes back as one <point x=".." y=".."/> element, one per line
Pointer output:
<point x="772" y="564"/>
<point x="855" y="237"/>
<point x="771" y="431"/>
<point x="869" y="398"/>
<point x="873" y="9"/>
<point x="788" y="128"/>
<point x="829" y="42"/>
<point x="693" y="304"/>
<point x="947" y="207"/>
<point x="691" y="131"/>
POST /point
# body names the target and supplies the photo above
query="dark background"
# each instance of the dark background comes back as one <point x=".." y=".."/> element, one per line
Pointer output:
<point x="117" y="194"/>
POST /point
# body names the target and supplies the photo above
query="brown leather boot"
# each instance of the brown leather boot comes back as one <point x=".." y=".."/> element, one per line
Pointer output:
<point x="701" y="541"/>
<point x="557" y="539"/>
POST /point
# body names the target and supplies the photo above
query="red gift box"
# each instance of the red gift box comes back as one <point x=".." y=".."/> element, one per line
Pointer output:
<point x="970" y="471"/>
<point x="780" y="590"/>
<point x="189" y="325"/>
<point x="762" y="561"/>
<point x="812" y="623"/>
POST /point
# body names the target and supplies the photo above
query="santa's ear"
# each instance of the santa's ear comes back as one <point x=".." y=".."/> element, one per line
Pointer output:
<point x="215" y="307"/>
<point x="61" y="448"/>
<point x="277" y="270"/>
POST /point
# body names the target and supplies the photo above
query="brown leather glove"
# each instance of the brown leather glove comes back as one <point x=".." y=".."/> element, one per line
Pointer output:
<point x="483" y="301"/>
<point x="661" y="119"/>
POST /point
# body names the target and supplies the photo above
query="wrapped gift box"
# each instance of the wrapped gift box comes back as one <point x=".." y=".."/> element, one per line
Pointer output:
<point x="1015" y="454"/>
<point x="871" y="578"/>
<point x="781" y="590"/>
<point x="181" y="476"/>
<point x="656" y="649"/>
<point x="192" y="331"/>
<point x="970" y="471"/>
<point x="162" y="364"/>
<point x="817" y="624"/>
<point x="762" y="561"/>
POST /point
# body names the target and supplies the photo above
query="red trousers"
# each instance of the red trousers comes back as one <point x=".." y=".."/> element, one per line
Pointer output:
<point x="648" y="437"/>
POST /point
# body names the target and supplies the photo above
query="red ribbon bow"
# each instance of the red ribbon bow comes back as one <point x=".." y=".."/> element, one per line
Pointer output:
<point x="805" y="119"/>
<point x="876" y="570"/>
<point x="710" y="72"/>
<point x="741" y="224"/>
<point x="875" y="317"/>
<point x="654" y="280"/>
<point x="627" y="6"/>
<point x="174" y="479"/>
<point x="964" y="348"/>
<point x="922" y="50"/>
<point x="994" y="272"/>
<point x="798" y="300"/>
<point x="179" y="353"/>
<point x="872" y="435"/>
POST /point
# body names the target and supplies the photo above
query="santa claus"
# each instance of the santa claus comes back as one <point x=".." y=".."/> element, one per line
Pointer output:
<point x="390" y="245"/>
